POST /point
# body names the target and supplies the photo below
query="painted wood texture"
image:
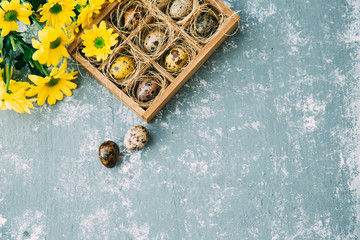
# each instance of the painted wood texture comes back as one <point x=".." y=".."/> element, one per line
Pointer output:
<point x="261" y="143"/>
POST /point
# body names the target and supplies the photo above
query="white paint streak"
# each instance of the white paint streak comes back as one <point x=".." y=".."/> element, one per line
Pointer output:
<point x="71" y="111"/>
<point x="2" y="220"/>
<point x="30" y="226"/>
<point x="137" y="232"/>
<point x="260" y="9"/>
<point x="91" y="223"/>
<point x="312" y="110"/>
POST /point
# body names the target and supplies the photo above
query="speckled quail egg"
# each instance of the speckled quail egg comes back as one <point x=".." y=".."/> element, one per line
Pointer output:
<point x="122" y="67"/>
<point x="108" y="153"/>
<point x="175" y="59"/>
<point x="132" y="18"/>
<point x="136" y="138"/>
<point x="180" y="8"/>
<point x="148" y="90"/>
<point x="153" y="40"/>
<point x="205" y="24"/>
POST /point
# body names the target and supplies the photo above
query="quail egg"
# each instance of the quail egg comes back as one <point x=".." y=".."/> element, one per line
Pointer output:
<point x="132" y="18"/>
<point x="205" y="24"/>
<point x="180" y="8"/>
<point x="108" y="153"/>
<point x="136" y="138"/>
<point x="122" y="67"/>
<point x="175" y="59"/>
<point x="153" y="40"/>
<point x="147" y="90"/>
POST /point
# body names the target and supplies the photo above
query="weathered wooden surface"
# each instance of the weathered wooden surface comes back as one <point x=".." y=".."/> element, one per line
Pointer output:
<point x="262" y="143"/>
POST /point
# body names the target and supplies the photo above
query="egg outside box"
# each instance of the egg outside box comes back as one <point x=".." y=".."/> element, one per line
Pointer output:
<point x="181" y="30"/>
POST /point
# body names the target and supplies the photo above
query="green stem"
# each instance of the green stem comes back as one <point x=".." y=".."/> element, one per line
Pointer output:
<point x="4" y="75"/>
<point x="13" y="44"/>
<point x="10" y="69"/>
<point x="44" y="70"/>
<point x="36" y="22"/>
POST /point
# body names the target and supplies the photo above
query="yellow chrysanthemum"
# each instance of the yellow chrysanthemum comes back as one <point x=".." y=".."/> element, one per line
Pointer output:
<point x="89" y="12"/>
<point x="10" y="12"/>
<point x="30" y="7"/>
<point x="57" y="12"/>
<point x="81" y="2"/>
<point x="98" y="41"/>
<point x="73" y="29"/>
<point x="15" y="99"/>
<point x="114" y="0"/>
<point x="51" y="48"/>
<point x="54" y="86"/>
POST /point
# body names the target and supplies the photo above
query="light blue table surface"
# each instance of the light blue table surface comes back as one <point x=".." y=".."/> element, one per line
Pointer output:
<point x="261" y="143"/>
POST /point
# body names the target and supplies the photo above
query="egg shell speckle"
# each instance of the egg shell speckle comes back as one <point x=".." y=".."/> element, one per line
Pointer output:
<point x="132" y="18"/>
<point x="108" y="153"/>
<point x="153" y="40"/>
<point x="205" y="24"/>
<point x="175" y="59"/>
<point x="147" y="90"/>
<point x="122" y="67"/>
<point x="136" y="138"/>
<point x="180" y="8"/>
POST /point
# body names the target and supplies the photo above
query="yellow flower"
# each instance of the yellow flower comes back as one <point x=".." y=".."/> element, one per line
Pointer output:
<point x="10" y="12"/>
<point x="15" y="99"/>
<point x="89" y="12"/>
<point x="51" y="48"/>
<point x="53" y="87"/>
<point x="114" y="0"/>
<point x="98" y="41"/>
<point x="73" y="29"/>
<point x="81" y="2"/>
<point x="30" y="7"/>
<point x="27" y="5"/>
<point x="57" y="12"/>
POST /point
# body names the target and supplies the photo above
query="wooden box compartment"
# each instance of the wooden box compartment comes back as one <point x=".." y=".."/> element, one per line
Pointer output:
<point x="128" y="45"/>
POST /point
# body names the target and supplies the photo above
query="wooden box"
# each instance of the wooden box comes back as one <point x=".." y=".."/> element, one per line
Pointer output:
<point x="203" y="50"/>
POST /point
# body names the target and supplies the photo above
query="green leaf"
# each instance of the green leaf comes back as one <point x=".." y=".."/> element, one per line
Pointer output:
<point x="7" y="43"/>
<point x="28" y="55"/>
<point x="19" y="62"/>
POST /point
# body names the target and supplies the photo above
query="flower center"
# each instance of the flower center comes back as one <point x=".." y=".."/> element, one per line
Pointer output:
<point x="99" y="42"/>
<point x="11" y="16"/>
<point x="55" y="44"/>
<point x="53" y="82"/>
<point x="56" y="9"/>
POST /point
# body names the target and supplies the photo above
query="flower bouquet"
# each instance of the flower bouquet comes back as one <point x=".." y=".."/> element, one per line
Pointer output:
<point x="56" y="23"/>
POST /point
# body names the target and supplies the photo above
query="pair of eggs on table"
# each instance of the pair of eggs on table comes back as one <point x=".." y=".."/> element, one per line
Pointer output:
<point x="136" y="138"/>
